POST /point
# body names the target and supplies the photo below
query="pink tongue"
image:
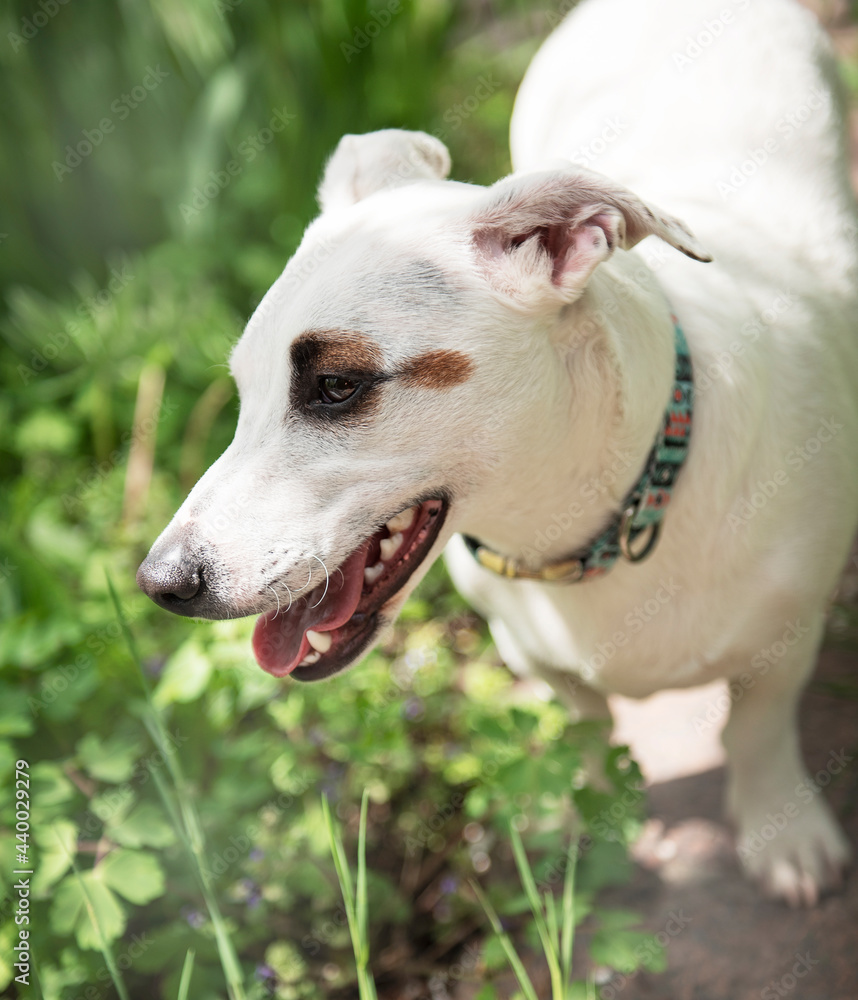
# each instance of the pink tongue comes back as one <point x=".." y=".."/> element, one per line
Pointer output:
<point x="279" y="639"/>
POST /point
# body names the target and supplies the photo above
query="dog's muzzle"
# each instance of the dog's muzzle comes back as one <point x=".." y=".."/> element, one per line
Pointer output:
<point x="178" y="579"/>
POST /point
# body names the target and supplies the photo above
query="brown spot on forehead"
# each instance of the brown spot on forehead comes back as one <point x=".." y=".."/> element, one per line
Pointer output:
<point x="338" y="351"/>
<point x="436" y="369"/>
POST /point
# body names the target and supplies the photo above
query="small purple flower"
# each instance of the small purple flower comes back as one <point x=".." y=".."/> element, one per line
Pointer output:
<point x="413" y="708"/>
<point x="265" y="972"/>
<point x="256" y="854"/>
<point x="449" y="884"/>
<point x="154" y="665"/>
<point x="195" y="918"/>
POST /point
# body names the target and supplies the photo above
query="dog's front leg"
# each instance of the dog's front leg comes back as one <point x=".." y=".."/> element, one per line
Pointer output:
<point x="581" y="701"/>
<point x="788" y="838"/>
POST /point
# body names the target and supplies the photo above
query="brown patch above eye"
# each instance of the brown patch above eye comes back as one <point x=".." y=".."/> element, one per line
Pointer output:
<point x="436" y="369"/>
<point x="338" y="351"/>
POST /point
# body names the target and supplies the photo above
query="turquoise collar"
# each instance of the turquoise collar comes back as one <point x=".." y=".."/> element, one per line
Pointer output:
<point x="634" y="532"/>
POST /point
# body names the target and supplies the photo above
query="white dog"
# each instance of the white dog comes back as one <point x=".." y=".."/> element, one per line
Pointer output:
<point x="439" y="357"/>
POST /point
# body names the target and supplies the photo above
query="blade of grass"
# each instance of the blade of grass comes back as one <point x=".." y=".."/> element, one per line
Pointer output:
<point x="356" y="908"/>
<point x="515" y="962"/>
<point x="185" y="817"/>
<point x="361" y="901"/>
<point x="567" y="934"/>
<point x="187" y="972"/>
<point x="549" y="944"/>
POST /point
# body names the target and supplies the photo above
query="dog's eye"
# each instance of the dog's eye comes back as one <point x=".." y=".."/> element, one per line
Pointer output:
<point x="336" y="389"/>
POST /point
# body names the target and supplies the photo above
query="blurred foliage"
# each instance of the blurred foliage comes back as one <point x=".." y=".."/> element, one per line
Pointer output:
<point x="123" y="113"/>
<point x="131" y="253"/>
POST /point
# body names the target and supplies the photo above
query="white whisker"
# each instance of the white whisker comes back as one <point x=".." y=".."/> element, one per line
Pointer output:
<point x="327" y="581"/>
<point x="274" y="592"/>
<point x="309" y="575"/>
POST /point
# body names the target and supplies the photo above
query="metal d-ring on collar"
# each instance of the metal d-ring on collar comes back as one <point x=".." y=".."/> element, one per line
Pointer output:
<point x="643" y="508"/>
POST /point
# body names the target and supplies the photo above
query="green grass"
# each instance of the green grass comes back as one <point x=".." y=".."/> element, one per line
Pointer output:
<point x="354" y="896"/>
<point x="556" y="930"/>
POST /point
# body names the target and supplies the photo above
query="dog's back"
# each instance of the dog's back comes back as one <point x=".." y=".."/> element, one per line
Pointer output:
<point x="729" y="114"/>
<point x="725" y="110"/>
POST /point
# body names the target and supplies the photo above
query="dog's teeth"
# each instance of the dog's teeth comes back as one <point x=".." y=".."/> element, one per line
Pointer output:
<point x="402" y="521"/>
<point x="320" y="641"/>
<point x="310" y="658"/>
<point x="390" y="545"/>
<point x="372" y="573"/>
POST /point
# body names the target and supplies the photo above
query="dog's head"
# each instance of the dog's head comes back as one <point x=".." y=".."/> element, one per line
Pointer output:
<point x="381" y="379"/>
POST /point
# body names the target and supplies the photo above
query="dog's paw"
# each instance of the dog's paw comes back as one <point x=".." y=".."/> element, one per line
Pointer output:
<point x="795" y="853"/>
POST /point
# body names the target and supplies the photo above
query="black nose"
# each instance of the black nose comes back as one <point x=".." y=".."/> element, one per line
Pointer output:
<point x="177" y="585"/>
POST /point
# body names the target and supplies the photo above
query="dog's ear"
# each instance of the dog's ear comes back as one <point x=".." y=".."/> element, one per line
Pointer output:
<point x="540" y="236"/>
<point x="363" y="164"/>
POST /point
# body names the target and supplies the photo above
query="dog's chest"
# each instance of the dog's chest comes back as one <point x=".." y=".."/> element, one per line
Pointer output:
<point x="618" y="636"/>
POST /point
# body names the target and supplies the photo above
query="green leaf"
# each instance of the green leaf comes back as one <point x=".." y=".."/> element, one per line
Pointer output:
<point x="145" y="826"/>
<point x="70" y="912"/>
<point x="185" y="676"/>
<point x="133" y="874"/>
<point x="626" y="950"/>
<point x="8" y="939"/>
<point x="16" y="719"/>
<point x="110" y="760"/>
<point x="57" y="848"/>
<point x="49" y="785"/>
<point x="616" y="920"/>
<point x="494" y="955"/>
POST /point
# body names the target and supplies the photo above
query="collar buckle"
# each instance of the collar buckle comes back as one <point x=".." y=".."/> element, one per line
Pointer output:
<point x="625" y="536"/>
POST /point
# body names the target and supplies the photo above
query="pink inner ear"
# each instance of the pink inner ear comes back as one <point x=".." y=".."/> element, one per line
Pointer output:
<point x="577" y="250"/>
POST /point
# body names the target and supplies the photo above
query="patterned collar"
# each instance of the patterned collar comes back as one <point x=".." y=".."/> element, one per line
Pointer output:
<point x="643" y="508"/>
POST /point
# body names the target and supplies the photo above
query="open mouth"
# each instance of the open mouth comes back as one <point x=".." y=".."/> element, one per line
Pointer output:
<point x="326" y="629"/>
